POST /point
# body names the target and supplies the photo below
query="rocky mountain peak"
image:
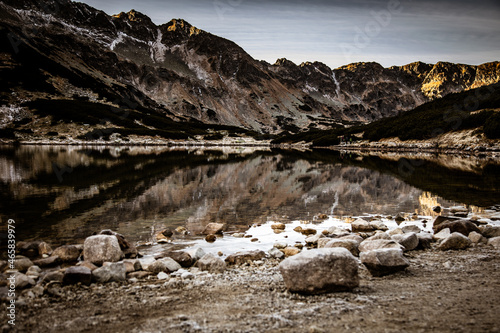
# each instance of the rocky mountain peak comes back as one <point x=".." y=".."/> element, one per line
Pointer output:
<point x="132" y="16"/>
<point x="284" y="62"/>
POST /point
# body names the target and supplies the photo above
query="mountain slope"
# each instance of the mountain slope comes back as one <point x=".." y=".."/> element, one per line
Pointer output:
<point x="59" y="49"/>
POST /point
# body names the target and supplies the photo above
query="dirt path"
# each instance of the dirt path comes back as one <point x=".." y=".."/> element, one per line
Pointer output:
<point x="456" y="291"/>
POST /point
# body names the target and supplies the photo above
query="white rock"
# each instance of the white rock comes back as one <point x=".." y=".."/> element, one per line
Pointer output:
<point x="162" y="276"/>
<point x="196" y="253"/>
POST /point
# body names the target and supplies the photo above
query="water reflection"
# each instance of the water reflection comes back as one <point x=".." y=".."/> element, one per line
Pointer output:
<point x="64" y="194"/>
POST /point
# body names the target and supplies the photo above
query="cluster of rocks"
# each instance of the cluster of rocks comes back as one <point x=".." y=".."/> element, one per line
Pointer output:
<point x="331" y="263"/>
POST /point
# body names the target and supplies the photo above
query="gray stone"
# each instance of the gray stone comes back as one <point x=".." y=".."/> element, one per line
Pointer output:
<point x="275" y="253"/>
<point x="34" y="271"/>
<point x="335" y="232"/>
<point x="196" y="253"/>
<point x="361" y="225"/>
<point x="67" y="253"/>
<point x="211" y="263"/>
<point x="167" y="264"/>
<point x="47" y="262"/>
<point x="313" y="240"/>
<point x="320" y="270"/>
<point x="354" y="237"/>
<point x="411" y="228"/>
<point x="245" y="256"/>
<point x="495" y="242"/>
<point x="384" y="261"/>
<point x="379" y="225"/>
<point x="22" y="280"/>
<point x="77" y="274"/>
<point x="162" y="276"/>
<point x="348" y="244"/>
<point x="409" y="241"/>
<point x="369" y="245"/>
<point x="102" y="248"/>
<point x="477" y="238"/>
<point x="132" y="265"/>
<point x="396" y="231"/>
<point x="54" y="276"/>
<point x="442" y="234"/>
<point x="109" y="273"/>
<point x="424" y="240"/>
<point x="146" y="261"/>
<point x="455" y="241"/>
<point x="379" y="235"/>
<point x="323" y="241"/>
<point x="490" y="231"/>
<point x="22" y="264"/>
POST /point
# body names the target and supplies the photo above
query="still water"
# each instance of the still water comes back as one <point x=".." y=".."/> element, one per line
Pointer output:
<point x="64" y="194"/>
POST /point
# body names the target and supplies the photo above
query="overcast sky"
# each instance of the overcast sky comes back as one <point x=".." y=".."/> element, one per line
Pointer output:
<point x="391" y="32"/>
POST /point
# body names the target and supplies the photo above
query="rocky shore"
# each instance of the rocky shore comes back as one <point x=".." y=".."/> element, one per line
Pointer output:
<point x="363" y="278"/>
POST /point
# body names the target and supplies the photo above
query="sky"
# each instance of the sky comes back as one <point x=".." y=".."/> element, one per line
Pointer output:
<point x="390" y="32"/>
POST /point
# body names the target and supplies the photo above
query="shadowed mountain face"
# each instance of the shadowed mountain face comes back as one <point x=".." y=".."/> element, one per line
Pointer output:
<point x="57" y="49"/>
<point x="64" y="194"/>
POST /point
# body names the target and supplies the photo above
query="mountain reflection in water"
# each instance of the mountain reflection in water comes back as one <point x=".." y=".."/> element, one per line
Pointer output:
<point x="64" y="194"/>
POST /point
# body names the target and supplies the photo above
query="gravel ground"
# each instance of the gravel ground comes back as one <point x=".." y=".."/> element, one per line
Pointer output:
<point x="455" y="291"/>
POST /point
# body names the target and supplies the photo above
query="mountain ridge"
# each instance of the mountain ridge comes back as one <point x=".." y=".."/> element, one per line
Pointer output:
<point x="187" y="74"/>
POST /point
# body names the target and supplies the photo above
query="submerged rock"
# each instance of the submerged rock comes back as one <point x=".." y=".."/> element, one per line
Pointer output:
<point x="320" y="270"/>
<point x="382" y="262"/>
<point x="102" y="248"/>
<point x="455" y="241"/>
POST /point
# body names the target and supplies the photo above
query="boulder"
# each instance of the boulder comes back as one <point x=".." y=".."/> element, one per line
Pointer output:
<point x="462" y="226"/>
<point x="382" y="262"/>
<point x="129" y="250"/>
<point x="408" y="241"/>
<point x="67" y="253"/>
<point x="323" y="241"/>
<point x="213" y="229"/>
<point x="411" y="228"/>
<point x="335" y="232"/>
<point x="348" y="244"/>
<point x="195" y="253"/>
<point x="369" y="245"/>
<point x="477" y="238"/>
<point x="47" y="262"/>
<point x="77" y="274"/>
<point x="354" y="237"/>
<point x="495" y="242"/>
<point x="396" y="231"/>
<point x="442" y="234"/>
<point x="110" y="272"/>
<point x="22" y="264"/>
<point x="167" y="264"/>
<point x="184" y="259"/>
<point x="34" y="271"/>
<point x="379" y="225"/>
<point x="102" y="248"/>
<point x="320" y="270"/>
<point x="379" y="235"/>
<point x="313" y="240"/>
<point x="212" y="263"/>
<point x="424" y="240"/>
<point x="146" y="261"/>
<point x="361" y="225"/>
<point x="28" y="249"/>
<point x="245" y="256"/>
<point x="490" y="231"/>
<point x="455" y="241"/>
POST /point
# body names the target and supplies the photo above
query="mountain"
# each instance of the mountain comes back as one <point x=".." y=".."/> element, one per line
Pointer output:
<point x="124" y="74"/>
